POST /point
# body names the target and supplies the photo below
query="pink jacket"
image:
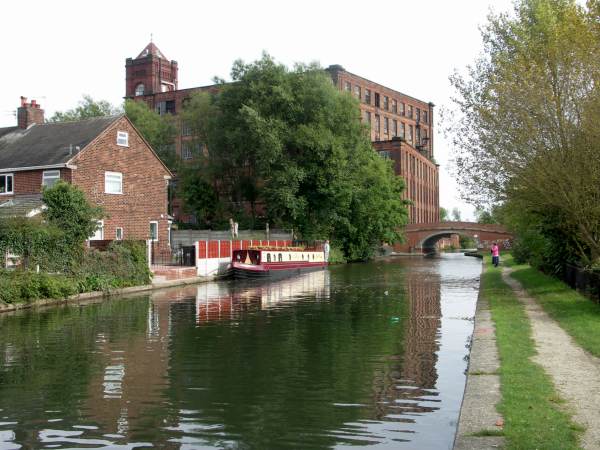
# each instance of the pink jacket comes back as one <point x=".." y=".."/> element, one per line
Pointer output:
<point x="495" y="250"/>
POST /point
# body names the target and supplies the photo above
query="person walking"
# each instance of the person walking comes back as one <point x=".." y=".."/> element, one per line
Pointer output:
<point x="495" y="251"/>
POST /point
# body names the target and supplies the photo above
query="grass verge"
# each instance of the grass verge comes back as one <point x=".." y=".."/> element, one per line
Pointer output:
<point x="576" y="314"/>
<point x="531" y="408"/>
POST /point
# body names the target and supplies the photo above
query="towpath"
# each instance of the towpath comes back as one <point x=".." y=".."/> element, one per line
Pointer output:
<point x="575" y="372"/>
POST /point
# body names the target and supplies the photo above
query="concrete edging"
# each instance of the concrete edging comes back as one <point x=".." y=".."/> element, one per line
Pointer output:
<point x="10" y="307"/>
<point x="482" y="389"/>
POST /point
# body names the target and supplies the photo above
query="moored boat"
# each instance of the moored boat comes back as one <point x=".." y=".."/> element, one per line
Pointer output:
<point x="258" y="262"/>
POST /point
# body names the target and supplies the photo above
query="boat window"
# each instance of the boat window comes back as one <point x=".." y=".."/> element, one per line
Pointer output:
<point x="280" y="258"/>
<point x="290" y="255"/>
<point x="268" y="257"/>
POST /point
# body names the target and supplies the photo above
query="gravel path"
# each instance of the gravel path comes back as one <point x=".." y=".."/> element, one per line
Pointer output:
<point x="575" y="373"/>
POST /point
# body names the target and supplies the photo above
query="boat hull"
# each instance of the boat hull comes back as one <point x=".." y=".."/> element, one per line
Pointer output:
<point x="248" y="271"/>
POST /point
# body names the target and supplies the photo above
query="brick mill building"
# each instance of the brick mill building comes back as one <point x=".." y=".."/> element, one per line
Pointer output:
<point x="105" y="157"/>
<point x="401" y="125"/>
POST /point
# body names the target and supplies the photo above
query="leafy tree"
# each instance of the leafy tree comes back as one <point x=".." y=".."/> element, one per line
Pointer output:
<point x="159" y="131"/>
<point x="291" y="147"/>
<point x="86" y="109"/>
<point x="444" y="216"/>
<point x="69" y="211"/>
<point x="527" y="130"/>
<point x="456" y="214"/>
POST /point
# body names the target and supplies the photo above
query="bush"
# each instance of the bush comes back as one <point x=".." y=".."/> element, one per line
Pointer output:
<point x="20" y="286"/>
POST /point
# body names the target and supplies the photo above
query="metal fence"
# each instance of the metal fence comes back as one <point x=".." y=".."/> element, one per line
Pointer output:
<point x="585" y="281"/>
<point x="179" y="255"/>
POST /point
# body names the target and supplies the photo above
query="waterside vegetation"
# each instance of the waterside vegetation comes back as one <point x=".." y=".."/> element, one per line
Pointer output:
<point x="52" y="259"/>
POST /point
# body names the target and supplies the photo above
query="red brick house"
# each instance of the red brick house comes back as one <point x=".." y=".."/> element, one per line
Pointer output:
<point x="106" y="157"/>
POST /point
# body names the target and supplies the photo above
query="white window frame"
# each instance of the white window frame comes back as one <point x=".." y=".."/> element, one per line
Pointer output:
<point x="12" y="183"/>
<point x="112" y="174"/>
<point x="99" y="229"/>
<point x="150" y="237"/>
<point x="122" y="138"/>
<point x="50" y="175"/>
<point x="117" y="237"/>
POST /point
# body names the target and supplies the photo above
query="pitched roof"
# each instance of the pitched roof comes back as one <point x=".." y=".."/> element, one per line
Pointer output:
<point x="22" y="206"/>
<point x="49" y="143"/>
<point x="151" y="49"/>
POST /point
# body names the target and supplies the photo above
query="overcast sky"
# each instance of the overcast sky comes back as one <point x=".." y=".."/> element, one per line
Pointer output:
<point x="56" y="51"/>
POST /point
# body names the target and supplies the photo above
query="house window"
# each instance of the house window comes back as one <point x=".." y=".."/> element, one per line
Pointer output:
<point x="186" y="151"/>
<point x="418" y="115"/>
<point x="154" y="231"/>
<point x="368" y="117"/>
<point x="347" y="86"/>
<point x="402" y="109"/>
<point x="376" y="100"/>
<point x="113" y="183"/>
<point x="402" y="130"/>
<point x="395" y="106"/>
<point x="386" y="125"/>
<point x="368" y="96"/>
<point x="123" y="138"/>
<point x="139" y="89"/>
<point x="50" y="177"/>
<point x="377" y="124"/>
<point x="386" y="102"/>
<point x="357" y="92"/>
<point x="425" y="116"/>
<point x="410" y="111"/>
<point x="186" y="129"/>
<point x="418" y="135"/>
<point x="394" y="127"/>
<point x="6" y="183"/>
<point x="410" y="134"/>
<point x="99" y="233"/>
<point x="119" y="234"/>
<point x="385" y="154"/>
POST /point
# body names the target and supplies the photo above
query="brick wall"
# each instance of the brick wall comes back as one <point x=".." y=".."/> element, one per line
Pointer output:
<point x="144" y="196"/>
<point x="421" y="177"/>
<point x="29" y="182"/>
<point x="422" y="112"/>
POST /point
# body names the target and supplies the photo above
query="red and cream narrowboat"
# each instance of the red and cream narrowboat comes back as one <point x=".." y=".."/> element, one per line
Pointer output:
<point x="259" y="262"/>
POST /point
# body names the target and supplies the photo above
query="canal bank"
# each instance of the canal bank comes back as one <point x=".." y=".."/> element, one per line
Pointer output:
<point x="549" y="385"/>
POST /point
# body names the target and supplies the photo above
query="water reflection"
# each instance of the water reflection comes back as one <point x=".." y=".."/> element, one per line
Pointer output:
<point x="368" y="354"/>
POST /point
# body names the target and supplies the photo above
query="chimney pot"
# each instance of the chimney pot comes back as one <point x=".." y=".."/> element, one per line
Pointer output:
<point x="23" y="100"/>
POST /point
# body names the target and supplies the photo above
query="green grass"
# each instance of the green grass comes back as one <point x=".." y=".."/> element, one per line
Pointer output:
<point x="533" y="417"/>
<point x="576" y="314"/>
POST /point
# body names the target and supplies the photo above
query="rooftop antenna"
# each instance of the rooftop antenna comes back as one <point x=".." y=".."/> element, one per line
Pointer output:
<point x="151" y="38"/>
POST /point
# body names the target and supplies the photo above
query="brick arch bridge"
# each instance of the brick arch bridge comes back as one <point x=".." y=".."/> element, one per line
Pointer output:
<point x="422" y="237"/>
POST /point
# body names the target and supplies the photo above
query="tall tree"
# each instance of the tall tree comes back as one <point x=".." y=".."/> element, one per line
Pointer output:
<point x="159" y="131"/>
<point x="527" y="117"/>
<point x="456" y="214"/>
<point x="290" y="146"/>
<point x="87" y="108"/>
<point x="444" y="216"/>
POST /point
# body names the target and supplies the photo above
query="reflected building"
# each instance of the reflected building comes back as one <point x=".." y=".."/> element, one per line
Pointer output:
<point x="135" y="375"/>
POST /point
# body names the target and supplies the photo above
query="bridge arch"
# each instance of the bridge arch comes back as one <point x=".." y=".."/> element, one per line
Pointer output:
<point x="421" y="237"/>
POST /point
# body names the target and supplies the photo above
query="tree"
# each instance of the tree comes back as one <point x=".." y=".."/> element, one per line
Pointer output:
<point x="86" y="109"/>
<point x="444" y="216"/>
<point x="159" y="131"/>
<point x="289" y="147"/>
<point x="456" y="214"/>
<point x="527" y="113"/>
<point x="69" y="211"/>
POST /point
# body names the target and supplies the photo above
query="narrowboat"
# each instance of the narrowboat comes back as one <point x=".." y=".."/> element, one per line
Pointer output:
<point x="258" y="262"/>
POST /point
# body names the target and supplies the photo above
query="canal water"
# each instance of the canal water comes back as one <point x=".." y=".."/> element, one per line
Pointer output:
<point x="367" y="355"/>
